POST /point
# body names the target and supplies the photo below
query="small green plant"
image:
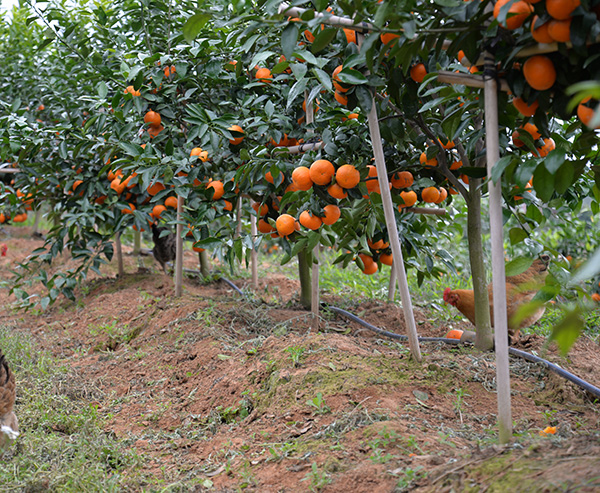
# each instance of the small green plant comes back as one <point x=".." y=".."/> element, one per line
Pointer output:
<point x="459" y="402"/>
<point x="408" y="478"/>
<point x="318" y="479"/>
<point x="318" y="403"/>
<point x="296" y="353"/>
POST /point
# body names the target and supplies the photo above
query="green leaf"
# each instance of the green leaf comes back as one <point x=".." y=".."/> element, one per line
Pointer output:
<point x="554" y="160"/>
<point x="295" y="91"/>
<point x="564" y="177"/>
<point x="323" y="78"/>
<point x="323" y="39"/>
<point x="289" y="38"/>
<point x="517" y="235"/>
<point x="194" y="25"/>
<point x="102" y="89"/>
<point x="566" y="332"/>
<point x="518" y="266"/>
<point x="352" y="76"/>
<point x="365" y="98"/>
<point x="543" y="183"/>
<point x="499" y="168"/>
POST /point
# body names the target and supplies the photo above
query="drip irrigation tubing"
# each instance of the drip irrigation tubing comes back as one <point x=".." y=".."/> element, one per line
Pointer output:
<point x="513" y="351"/>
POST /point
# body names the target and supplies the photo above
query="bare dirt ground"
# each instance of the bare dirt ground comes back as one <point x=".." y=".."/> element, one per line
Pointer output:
<point x="228" y="392"/>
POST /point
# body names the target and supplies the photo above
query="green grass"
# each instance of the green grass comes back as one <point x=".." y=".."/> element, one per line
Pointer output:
<point x="62" y="446"/>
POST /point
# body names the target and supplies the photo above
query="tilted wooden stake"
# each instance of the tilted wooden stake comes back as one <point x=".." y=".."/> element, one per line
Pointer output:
<point x="119" y="252"/>
<point x="390" y="220"/>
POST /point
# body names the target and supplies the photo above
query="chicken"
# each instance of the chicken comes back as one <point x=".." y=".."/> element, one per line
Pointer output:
<point x="164" y="246"/>
<point x="3" y="249"/>
<point x="9" y="426"/>
<point x="520" y="289"/>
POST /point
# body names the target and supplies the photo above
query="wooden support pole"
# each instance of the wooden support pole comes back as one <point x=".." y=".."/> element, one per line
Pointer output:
<point x="238" y="213"/>
<point x="137" y="242"/>
<point x="314" y="297"/>
<point x="497" y="241"/>
<point x="254" y="254"/>
<point x="179" y="249"/>
<point x="312" y="146"/>
<point x="390" y="219"/>
<point x="119" y="251"/>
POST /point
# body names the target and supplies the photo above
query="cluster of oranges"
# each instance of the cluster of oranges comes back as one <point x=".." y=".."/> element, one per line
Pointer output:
<point x="550" y="23"/>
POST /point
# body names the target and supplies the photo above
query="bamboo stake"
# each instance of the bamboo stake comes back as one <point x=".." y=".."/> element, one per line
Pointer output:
<point x="179" y="249"/>
<point x="471" y="80"/>
<point x="238" y="213"/>
<point x="10" y="170"/>
<point x="390" y="219"/>
<point x="119" y="254"/>
<point x="497" y="240"/>
<point x="312" y="146"/>
<point x="254" y="254"/>
<point x="314" y="298"/>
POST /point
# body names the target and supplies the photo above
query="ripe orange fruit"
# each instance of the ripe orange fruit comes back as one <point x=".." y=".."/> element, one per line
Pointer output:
<point x="301" y="178"/>
<point x="264" y="226"/>
<point x="197" y="249"/>
<point x="370" y="266"/>
<point x="154" y="189"/>
<point x="386" y="258"/>
<point x="427" y="162"/>
<point x="152" y="118"/>
<point x="100" y="200"/>
<point x="530" y="128"/>
<point x="560" y="30"/>
<point x="332" y="214"/>
<point x="539" y="72"/>
<point x="524" y="108"/>
<point x="269" y="177"/>
<point x="378" y="245"/>
<point x="347" y="176"/>
<point x="236" y="140"/>
<point x="350" y="35"/>
<point x="517" y="13"/>
<point x="443" y="195"/>
<point x="154" y="130"/>
<point x="339" y="87"/>
<point x="264" y="75"/>
<point x="285" y="225"/>
<point x="310" y="221"/>
<point x="132" y="91"/>
<point x="448" y="145"/>
<point x="430" y="195"/>
<point x="545" y="149"/>
<point x="418" y="72"/>
<point x="157" y="210"/>
<point x="202" y="155"/>
<point x="129" y="209"/>
<point x="596" y="297"/>
<point x="117" y="186"/>
<point x="539" y="31"/>
<point x="171" y="202"/>
<point x="3" y="218"/>
<point x="561" y="9"/>
<point x="340" y="98"/>
<point x="402" y="179"/>
<point x="321" y="172"/>
<point x="372" y="181"/>
<point x="409" y="198"/>
<point x="585" y="113"/>
<point x="218" y="188"/>
<point x="227" y="206"/>
<point x="454" y="334"/>
<point x="387" y="38"/>
<point x="264" y="208"/>
<point x="456" y="165"/>
<point x="336" y="191"/>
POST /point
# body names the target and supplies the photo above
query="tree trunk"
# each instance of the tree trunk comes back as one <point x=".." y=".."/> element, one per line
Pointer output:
<point x="137" y="242"/>
<point x="203" y="261"/>
<point x="484" y="339"/>
<point x="304" y="270"/>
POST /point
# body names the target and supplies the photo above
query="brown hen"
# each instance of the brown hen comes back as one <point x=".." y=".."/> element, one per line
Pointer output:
<point x="520" y="289"/>
<point x="9" y="425"/>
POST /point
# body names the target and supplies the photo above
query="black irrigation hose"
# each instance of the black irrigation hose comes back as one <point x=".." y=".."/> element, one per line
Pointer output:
<point x="515" y="352"/>
<point x="557" y="369"/>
